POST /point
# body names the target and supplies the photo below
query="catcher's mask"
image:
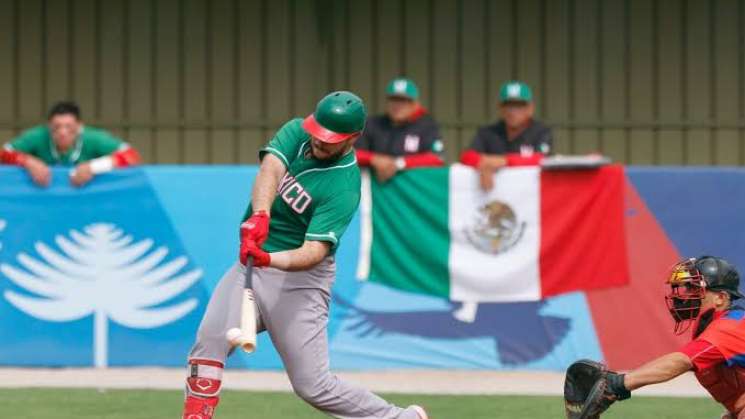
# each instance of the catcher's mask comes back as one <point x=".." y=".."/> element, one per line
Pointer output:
<point x="687" y="290"/>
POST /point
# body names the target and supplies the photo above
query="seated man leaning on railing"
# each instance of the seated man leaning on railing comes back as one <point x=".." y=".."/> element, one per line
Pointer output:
<point x="405" y="137"/>
<point x="515" y="140"/>
<point x="66" y="141"/>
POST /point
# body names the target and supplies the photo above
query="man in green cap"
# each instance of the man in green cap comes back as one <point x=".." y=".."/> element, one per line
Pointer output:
<point x="405" y="137"/>
<point x="515" y="140"/>
<point x="304" y="197"/>
<point x="66" y="141"/>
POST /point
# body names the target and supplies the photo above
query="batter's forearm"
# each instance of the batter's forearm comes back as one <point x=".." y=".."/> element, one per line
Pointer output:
<point x="310" y="254"/>
<point x="267" y="181"/>
<point x="662" y="369"/>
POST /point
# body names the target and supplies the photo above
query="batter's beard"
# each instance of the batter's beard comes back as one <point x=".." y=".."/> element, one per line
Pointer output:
<point x="330" y="157"/>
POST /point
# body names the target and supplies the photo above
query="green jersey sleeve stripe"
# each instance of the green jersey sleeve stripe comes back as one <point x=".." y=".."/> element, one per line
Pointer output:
<point x="330" y="236"/>
<point x="278" y="154"/>
<point x="300" y="151"/>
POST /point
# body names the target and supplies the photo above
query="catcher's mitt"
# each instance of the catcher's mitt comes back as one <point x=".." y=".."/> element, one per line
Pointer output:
<point x="589" y="389"/>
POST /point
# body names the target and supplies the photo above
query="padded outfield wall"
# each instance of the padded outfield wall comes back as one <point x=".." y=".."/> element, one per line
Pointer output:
<point x="119" y="273"/>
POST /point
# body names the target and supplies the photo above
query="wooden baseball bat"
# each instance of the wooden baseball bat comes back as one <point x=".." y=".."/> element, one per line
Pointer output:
<point x="246" y="339"/>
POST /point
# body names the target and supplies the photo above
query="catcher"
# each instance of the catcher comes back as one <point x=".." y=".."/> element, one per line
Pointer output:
<point x="702" y="291"/>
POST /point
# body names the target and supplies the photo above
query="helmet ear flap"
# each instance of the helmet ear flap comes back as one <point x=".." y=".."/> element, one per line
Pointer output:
<point x="719" y="274"/>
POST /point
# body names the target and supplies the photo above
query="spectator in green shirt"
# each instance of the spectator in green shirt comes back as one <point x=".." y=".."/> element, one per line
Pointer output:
<point x="66" y="141"/>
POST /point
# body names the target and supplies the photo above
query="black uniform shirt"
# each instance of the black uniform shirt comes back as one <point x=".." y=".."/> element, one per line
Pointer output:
<point x="420" y="135"/>
<point x="492" y="139"/>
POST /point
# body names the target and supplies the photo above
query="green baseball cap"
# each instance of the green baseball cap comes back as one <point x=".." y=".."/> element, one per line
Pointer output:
<point x="515" y="91"/>
<point x="402" y="87"/>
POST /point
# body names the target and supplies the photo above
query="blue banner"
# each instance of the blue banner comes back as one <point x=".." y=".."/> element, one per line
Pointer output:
<point x="119" y="273"/>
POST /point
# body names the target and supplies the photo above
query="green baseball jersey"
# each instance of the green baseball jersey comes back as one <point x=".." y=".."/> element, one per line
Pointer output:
<point x="316" y="199"/>
<point x="91" y="143"/>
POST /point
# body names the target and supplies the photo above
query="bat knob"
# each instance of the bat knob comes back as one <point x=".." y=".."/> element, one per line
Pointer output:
<point x="248" y="347"/>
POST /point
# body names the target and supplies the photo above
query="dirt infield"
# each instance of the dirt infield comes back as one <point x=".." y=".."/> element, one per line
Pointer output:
<point x="408" y="381"/>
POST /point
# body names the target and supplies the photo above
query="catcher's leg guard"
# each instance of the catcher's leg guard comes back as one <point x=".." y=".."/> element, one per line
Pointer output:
<point x="202" y="388"/>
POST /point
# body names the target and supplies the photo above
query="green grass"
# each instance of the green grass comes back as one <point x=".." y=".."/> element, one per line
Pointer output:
<point x="142" y="404"/>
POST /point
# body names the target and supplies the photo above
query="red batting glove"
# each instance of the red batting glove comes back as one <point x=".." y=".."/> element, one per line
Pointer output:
<point x="255" y="228"/>
<point x="251" y="249"/>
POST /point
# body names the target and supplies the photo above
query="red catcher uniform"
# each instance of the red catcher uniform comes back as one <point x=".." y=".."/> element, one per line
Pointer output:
<point x="718" y="357"/>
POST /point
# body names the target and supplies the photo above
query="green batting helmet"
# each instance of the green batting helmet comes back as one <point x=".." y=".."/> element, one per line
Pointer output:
<point x="339" y="116"/>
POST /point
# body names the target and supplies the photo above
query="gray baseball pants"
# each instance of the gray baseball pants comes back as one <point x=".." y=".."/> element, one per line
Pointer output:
<point x="293" y="307"/>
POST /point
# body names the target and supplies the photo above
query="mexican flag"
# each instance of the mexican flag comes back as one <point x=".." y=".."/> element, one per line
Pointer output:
<point x="538" y="233"/>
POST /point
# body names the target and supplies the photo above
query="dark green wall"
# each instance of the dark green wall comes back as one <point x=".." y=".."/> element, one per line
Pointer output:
<point x="197" y="81"/>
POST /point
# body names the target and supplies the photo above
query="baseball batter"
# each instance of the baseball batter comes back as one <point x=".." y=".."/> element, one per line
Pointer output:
<point x="304" y="196"/>
<point x="702" y="291"/>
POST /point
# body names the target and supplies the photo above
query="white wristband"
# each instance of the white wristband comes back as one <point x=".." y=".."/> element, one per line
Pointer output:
<point x="102" y="165"/>
<point x="400" y="163"/>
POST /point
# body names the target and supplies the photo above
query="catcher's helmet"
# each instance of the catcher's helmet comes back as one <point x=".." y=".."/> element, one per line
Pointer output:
<point x="719" y="275"/>
<point x="339" y="116"/>
<point x="690" y="279"/>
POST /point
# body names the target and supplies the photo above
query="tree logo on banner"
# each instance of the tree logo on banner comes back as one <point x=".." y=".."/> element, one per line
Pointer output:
<point x="101" y="272"/>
